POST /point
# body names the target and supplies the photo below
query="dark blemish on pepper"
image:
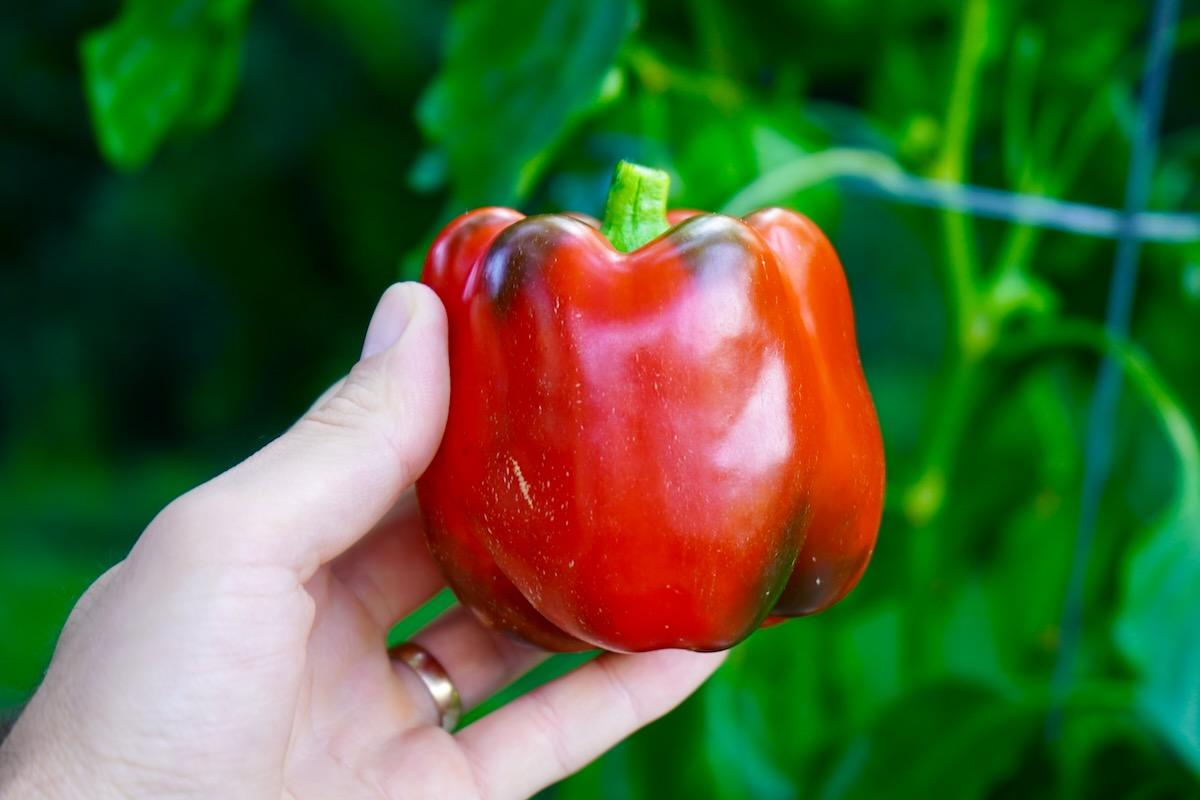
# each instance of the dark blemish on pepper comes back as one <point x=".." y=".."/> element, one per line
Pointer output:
<point x="520" y="251"/>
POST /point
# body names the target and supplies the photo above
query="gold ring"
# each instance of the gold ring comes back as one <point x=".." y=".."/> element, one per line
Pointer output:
<point x="433" y="675"/>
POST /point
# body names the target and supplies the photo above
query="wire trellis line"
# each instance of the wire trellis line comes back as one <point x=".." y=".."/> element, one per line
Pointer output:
<point x="1098" y="444"/>
<point x="872" y="172"/>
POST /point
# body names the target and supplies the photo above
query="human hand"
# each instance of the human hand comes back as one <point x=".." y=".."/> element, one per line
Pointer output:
<point x="239" y="650"/>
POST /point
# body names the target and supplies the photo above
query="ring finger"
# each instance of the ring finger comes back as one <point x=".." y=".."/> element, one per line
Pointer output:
<point x="478" y="660"/>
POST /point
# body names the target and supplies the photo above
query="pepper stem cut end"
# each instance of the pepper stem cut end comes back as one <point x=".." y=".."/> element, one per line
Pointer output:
<point x="636" y="210"/>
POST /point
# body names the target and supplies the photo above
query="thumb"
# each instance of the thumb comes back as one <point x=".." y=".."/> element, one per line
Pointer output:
<point x="313" y="492"/>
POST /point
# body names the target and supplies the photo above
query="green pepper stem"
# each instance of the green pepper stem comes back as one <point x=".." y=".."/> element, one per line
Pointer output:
<point x="636" y="211"/>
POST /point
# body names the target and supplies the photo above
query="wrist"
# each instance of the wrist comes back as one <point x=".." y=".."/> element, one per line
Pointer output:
<point x="23" y="773"/>
<point x="34" y="763"/>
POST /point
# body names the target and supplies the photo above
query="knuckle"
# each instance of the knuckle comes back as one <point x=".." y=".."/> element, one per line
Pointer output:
<point x="355" y="405"/>
<point x="88" y="602"/>
<point x="479" y="786"/>
<point x="548" y="727"/>
<point x="183" y="514"/>
<point x="362" y="408"/>
<point x="183" y="530"/>
<point x="622" y="694"/>
<point x="400" y="774"/>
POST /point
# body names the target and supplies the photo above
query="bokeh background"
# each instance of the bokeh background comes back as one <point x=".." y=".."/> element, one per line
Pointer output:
<point x="201" y="200"/>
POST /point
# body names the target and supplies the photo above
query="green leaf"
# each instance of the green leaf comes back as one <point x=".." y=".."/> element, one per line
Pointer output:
<point x="1107" y="752"/>
<point x="866" y="662"/>
<point x="392" y="38"/>
<point x="953" y="740"/>
<point x="517" y="78"/>
<point x="1160" y="609"/>
<point x="736" y="740"/>
<point x="160" y="68"/>
<point x="1157" y="629"/>
<point x="1160" y="605"/>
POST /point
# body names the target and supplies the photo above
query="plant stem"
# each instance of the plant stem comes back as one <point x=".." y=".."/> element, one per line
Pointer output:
<point x="636" y="211"/>
<point x="951" y="165"/>
<point x="925" y="497"/>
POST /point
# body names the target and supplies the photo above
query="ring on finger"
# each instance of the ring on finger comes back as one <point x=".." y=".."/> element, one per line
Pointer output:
<point x="436" y="679"/>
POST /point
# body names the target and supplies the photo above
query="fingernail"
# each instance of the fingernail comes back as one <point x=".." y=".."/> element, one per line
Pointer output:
<point x="389" y="321"/>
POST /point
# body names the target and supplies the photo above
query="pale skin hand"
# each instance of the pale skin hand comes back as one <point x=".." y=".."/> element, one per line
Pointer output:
<point x="239" y="650"/>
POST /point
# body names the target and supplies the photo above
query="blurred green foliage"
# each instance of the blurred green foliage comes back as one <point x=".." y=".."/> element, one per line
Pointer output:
<point x="272" y="166"/>
<point x="159" y="68"/>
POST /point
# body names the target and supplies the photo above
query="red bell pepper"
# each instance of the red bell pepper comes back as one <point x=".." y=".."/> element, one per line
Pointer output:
<point x="658" y="436"/>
